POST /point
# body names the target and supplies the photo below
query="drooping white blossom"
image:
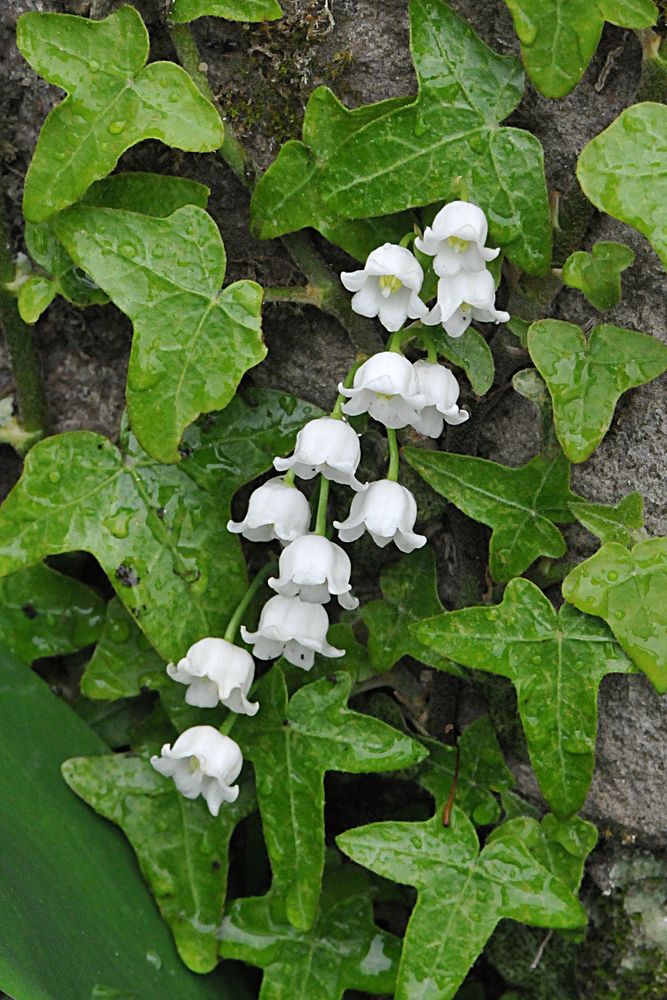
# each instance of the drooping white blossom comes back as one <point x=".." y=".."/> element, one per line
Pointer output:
<point x="216" y="671"/>
<point x="456" y="240"/>
<point x="466" y="296"/>
<point x="275" y="510"/>
<point x="202" y="762"/>
<point x="313" y="568"/>
<point x="441" y="391"/>
<point x="327" y="446"/>
<point x="293" y="629"/>
<point x="388" y="286"/>
<point x="386" y="387"/>
<point x="387" y="511"/>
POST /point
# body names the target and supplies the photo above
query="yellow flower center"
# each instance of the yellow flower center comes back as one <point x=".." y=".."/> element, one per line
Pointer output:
<point x="390" y="283"/>
<point x="458" y="244"/>
<point x="194" y="763"/>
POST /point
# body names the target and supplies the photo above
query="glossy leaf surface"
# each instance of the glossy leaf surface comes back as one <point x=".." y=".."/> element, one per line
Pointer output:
<point x="520" y="505"/>
<point x="182" y="849"/>
<point x="470" y="352"/>
<point x="619" y="522"/>
<point x="232" y="10"/>
<point x="124" y="660"/>
<point x="629" y="590"/>
<point x="446" y="144"/>
<point x="598" y="274"/>
<point x="622" y="172"/>
<point x="556" y="663"/>
<point x="114" y="101"/>
<point x="586" y="378"/>
<point x="462" y="893"/>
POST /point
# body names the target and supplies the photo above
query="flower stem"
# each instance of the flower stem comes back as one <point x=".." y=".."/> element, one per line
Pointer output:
<point x="348" y="381"/>
<point x="394" y="458"/>
<point x="322" y="507"/>
<point x="235" y="620"/>
<point x="308" y="295"/>
<point x="289" y="477"/>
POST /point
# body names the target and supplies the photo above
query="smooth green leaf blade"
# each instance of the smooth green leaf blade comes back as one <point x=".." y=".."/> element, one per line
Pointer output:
<point x="124" y="660"/>
<point x="612" y="523"/>
<point x="520" y="505"/>
<point x="114" y="101"/>
<point x="66" y="855"/>
<point x="556" y="662"/>
<point x="182" y="849"/>
<point x="192" y="342"/>
<point x="44" y="613"/>
<point x="398" y="154"/>
<point x="35" y="295"/>
<point x="586" y="378"/>
<point x="629" y="590"/>
<point x="183" y="11"/>
<point x="291" y="750"/>
<point x="157" y="195"/>
<point x="469" y="352"/>
<point x="622" y="171"/>
<point x="598" y="274"/>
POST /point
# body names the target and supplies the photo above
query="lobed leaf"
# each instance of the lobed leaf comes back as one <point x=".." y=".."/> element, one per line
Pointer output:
<point x="598" y="274"/>
<point x="609" y="522"/>
<point x="233" y="10"/>
<point x="469" y="352"/>
<point x="123" y="662"/>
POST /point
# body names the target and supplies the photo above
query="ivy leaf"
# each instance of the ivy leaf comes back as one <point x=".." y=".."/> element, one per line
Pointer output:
<point x="471" y="353"/>
<point x="410" y="591"/>
<point x="621" y="171"/>
<point x="124" y="660"/>
<point x="609" y="522"/>
<point x="291" y="750"/>
<point x="462" y="893"/>
<point x="586" y="378"/>
<point x="559" y="37"/>
<point x="160" y="536"/>
<point x="401" y="153"/>
<point x="561" y="845"/>
<point x="44" y="613"/>
<point x="598" y="274"/>
<point x="35" y="295"/>
<point x="182" y="849"/>
<point x="556" y="663"/>
<point x="233" y="10"/>
<point x="114" y="101"/>
<point x="520" y="505"/>
<point x="629" y="590"/>
<point x="344" y="950"/>
<point x="192" y="342"/>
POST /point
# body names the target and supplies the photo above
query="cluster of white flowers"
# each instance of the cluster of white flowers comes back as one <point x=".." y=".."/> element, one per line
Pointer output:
<point x="312" y="568"/>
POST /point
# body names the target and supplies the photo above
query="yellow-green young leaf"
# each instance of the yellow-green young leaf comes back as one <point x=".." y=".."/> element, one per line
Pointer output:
<point x="521" y="505"/>
<point x="192" y="342"/>
<point x="470" y="352"/>
<point x="586" y="378"/>
<point x="559" y="37"/>
<point x="344" y="950"/>
<point x="462" y="892"/>
<point x="233" y="10"/>
<point x="402" y="153"/>
<point x="622" y="522"/>
<point x="622" y="172"/>
<point x="182" y="849"/>
<point x="44" y="613"/>
<point x="556" y="663"/>
<point x="598" y="274"/>
<point x="629" y="590"/>
<point x="114" y="101"/>
<point x="292" y="749"/>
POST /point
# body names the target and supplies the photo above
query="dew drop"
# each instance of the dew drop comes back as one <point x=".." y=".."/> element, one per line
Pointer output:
<point x="116" y="127"/>
<point x="54" y="476"/>
<point x="93" y="66"/>
<point x="120" y="630"/>
<point x="127" y="249"/>
<point x="612" y="575"/>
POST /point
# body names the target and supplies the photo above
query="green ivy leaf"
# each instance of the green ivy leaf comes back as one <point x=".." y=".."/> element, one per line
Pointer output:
<point x="629" y="590"/>
<point x="556" y="663"/>
<point x="160" y="536"/>
<point x="388" y="157"/>
<point x="598" y="274"/>
<point x="586" y="378"/>
<point x="44" y="613"/>
<point x="114" y="101"/>
<point x="291" y="749"/>
<point x="410" y="591"/>
<point x="609" y="522"/>
<point x="462" y="893"/>
<point x="124" y="660"/>
<point x="620" y="171"/>
<point x="521" y="505"/>
<point x="35" y="295"/>
<point x="559" y="37"/>
<point x="233" y="10"/>
<point x="562" y="845"/>
<point x="182" y="849"/>
<point x="344" y="950"/>
<point x="469" y="352"/>
<point x="192" y="342"/>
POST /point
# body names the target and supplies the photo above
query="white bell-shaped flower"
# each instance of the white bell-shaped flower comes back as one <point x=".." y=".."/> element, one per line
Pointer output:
<point x="468" y="295"/>
<point x="388" y="286"/>
<point x="327" y="446"/>
<point x="275" y="510"/>
<point x="313" y="568"/>
<point x="441" y="392"/>
<point x="456" y="240"/>
<point x="203" y="762"/>
<point x="293" y="629"/>
<point x="387" y="511"/>
<point x="216" y="671"/>
<point x="386" y="387"/>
